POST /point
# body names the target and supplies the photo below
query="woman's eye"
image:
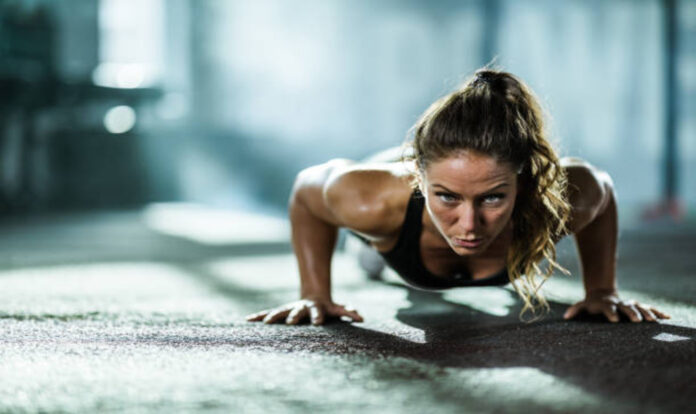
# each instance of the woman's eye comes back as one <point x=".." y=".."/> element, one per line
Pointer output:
<point x="447" y="198"/>
<point x="493" y="198"/>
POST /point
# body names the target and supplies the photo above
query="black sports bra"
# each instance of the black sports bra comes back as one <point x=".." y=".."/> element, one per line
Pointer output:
<point x="405" y="257"/>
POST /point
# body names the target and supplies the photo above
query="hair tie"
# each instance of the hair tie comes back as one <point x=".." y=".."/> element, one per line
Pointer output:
<point x="483" y="77"/>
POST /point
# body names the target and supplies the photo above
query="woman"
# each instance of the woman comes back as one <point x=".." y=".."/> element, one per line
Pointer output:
<point x="481" y="201"/>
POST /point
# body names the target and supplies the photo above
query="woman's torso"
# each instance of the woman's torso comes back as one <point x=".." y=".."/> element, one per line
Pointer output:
<point x="423" y="258"/>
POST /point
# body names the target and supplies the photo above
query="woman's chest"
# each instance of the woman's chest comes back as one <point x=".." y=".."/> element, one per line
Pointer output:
<point x="440" y="260"/>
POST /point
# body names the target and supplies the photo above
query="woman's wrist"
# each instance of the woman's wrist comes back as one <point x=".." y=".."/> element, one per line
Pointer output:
<point x="600" y="292"/>
<point x="316" y="296"/>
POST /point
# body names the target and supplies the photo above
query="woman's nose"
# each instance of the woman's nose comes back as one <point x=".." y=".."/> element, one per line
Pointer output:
<point x="468" y="218"/>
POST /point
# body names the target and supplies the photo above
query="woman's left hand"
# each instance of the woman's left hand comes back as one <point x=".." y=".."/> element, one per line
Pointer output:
<point x="609" y="304"/>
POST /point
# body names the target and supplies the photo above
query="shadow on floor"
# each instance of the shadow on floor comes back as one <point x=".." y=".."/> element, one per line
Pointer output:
<point x="650" y="363"/>
<point x="646" y="365"/>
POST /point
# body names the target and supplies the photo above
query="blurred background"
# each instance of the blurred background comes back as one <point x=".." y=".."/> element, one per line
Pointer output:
<point x="115" y="104"/>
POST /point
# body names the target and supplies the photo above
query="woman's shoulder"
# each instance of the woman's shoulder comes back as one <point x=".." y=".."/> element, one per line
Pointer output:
<point x="370" y="198"/>
<point x="589" y="190"/>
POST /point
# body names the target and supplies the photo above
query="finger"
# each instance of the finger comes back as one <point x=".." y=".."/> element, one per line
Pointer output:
<point x="255" y="317"/>
<point x="276" y="315"/>
<point x="610" y="313"/>
<point x="352" y="314"/>
<point x="296" y="315"/>
<point x="630" y="310"/>
<point x="347" y="311"/>
<point x="355" y="316"/>
<point x="316" y="315"/>
<point x="647" y="313"/>
<point x="660" y="314"/>
<point x="573" y="311"/>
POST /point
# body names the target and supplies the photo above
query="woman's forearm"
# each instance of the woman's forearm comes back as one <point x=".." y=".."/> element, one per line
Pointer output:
<point x="597" y="244"/>
<point x="314" y="233"/>
<point x="313" y="241"/>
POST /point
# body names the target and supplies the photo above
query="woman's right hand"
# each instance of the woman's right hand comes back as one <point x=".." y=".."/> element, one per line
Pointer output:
<point x="295" y="312"/>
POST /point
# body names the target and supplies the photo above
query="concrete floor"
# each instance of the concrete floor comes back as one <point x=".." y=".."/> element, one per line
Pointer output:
<point x="120" y="312"/>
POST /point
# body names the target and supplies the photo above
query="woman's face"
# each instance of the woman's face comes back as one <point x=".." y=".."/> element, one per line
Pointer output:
<point x="470" y="197"/>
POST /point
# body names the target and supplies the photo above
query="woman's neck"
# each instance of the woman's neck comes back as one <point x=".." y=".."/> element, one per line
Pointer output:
<point x="439" y="258"/>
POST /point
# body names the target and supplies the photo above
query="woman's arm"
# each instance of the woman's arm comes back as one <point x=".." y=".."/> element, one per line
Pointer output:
<point x="314" y="231"/>
<point x="594" y="222"/>
<point x="324" y="198"/>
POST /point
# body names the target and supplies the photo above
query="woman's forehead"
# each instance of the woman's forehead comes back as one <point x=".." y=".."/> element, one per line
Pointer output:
<point x="467" y="169"/>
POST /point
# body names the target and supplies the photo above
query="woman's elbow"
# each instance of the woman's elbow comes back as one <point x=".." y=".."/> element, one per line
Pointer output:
<point x="591" y="192"/>
<point x="608" y="194"/>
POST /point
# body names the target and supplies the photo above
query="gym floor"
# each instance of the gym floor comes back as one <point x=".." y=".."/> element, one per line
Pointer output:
<point x="144" y="311"/>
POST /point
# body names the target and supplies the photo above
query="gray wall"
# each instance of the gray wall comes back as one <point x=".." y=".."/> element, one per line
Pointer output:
<point x="345" y="78"/>
<point x="251" y="92"/>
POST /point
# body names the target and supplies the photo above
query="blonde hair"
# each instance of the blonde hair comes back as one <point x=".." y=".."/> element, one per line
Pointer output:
<point x="496" y="114"/>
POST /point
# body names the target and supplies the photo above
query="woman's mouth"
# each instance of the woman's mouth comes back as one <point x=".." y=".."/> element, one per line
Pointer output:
<point x="468" y="243"/>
